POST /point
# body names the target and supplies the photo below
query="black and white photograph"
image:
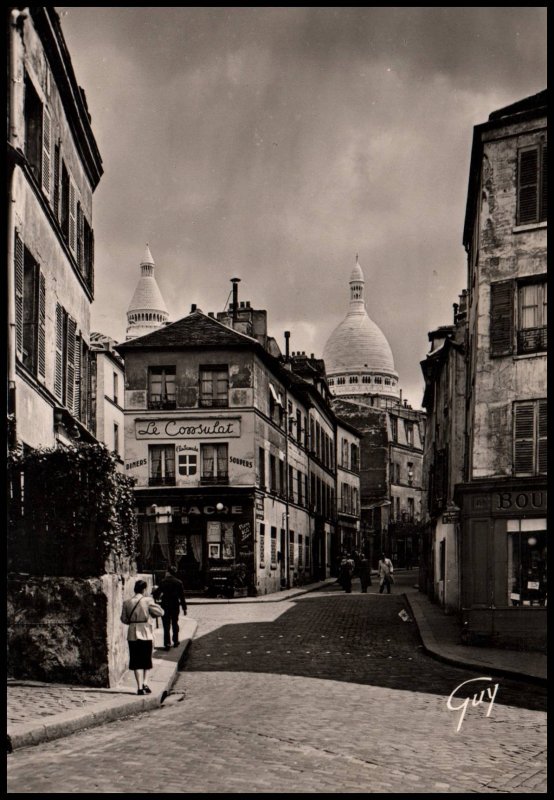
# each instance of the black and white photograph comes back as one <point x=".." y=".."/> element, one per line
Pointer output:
<point x="276" y="400"/>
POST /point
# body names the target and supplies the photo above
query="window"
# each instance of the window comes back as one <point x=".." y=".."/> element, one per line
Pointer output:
<point x="344" y="454"/>
<point x="527" y="575"/>
<point x="213" y="463"/>
<point x="161" y="387"/>
<point x="261" y="467"/>
<point x="290" y="418"/>
<point x="300" y="550"/>
<point x="188" y="464"/>
<point x="298" y="425"/>
<point x="394" y="428"/>
<point x="378" y="379"/>
<point x="291" y="484"/>
<point x="299" y="476"/>
<point x="291" y="549"/>
<point x="273" y="546"/>
<point x="214" y="387"/>
<point x="281" y="487"/>
<point x="355" y="502"/>
<point x="532" y="185"/>
<point x="411" y="509"/>
<point x="387" y="381"/>
<point x="66" y="346"/>
<point x="530" y="437"/>
<point x="272" y="473"/>
<point x="366" y="379"/>
<point x="409" y="428"/>
<point x="30" y="302"/>
<point x="161" y="459"/>
<point x="341" y="381"/>
<point x="116" y="437"/>
<point x="354" y="457"/>
<point x="532" y="306"/>
<point x="33" y="128"/>
<point x="353" y="379"/>
<point x="115" y="387"/>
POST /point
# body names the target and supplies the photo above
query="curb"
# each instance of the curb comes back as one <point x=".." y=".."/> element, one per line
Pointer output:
<point x="274" y="597"/>
<point x="59" y="725"/>
<point x="432" y="647"/>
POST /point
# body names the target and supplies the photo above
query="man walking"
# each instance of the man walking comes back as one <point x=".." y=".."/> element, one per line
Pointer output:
<point x="171" y="595"/>
<point x="364" y="572"/>
<point x="385" y="573"/>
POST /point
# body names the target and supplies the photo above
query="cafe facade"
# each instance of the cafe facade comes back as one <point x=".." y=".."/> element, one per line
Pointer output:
<point x="231" y="485"/>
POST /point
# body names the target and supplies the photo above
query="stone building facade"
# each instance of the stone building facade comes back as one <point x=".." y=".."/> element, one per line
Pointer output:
<point x="54" y="166"/>
<point x="503" y="495"/>
<point x="107" y="383"/>
<point x="233" y="452"/>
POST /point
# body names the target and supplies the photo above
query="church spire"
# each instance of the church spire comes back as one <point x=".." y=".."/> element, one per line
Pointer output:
<point x="357" y="302"/>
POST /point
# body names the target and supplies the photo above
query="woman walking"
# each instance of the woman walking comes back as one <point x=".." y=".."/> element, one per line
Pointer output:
<point x="136" y="613"/>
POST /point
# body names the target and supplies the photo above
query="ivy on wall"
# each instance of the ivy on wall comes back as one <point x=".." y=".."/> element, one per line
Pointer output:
<point x="71" y="512"/>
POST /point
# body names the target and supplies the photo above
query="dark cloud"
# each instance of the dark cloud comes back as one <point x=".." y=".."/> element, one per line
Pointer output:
<point x="275" y="143"/>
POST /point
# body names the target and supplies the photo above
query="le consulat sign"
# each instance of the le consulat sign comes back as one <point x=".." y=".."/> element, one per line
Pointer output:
<point x="186" y="428"/>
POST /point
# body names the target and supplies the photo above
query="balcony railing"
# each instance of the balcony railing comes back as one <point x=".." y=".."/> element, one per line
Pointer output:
<point x="214" y="402"/>
<point x="213" y="480"/>
<point x="532" y="340"/>
<point x="158" y="401"/>
<point x="167" y="480"/>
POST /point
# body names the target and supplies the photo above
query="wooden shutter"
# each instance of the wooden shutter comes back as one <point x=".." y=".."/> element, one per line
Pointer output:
<point x="528" y="186"/>
<point x="78" y="378"/>
<point x="57" y="181"/>
<point x="72" y="216"/>
<point x="542" y="436"/>
<point x="70" y="363"/>
<point x="85" y="385"/>
<point x="502" y="318"/>
<point x="46" y="171"/>
<point x="41" y="333"/>
<point x="80" y="243"/>
<point x="544" y="184"/>
<point x="18" y="269"/>
<point x="524" y="438"/>
<point x="58" y="372"/>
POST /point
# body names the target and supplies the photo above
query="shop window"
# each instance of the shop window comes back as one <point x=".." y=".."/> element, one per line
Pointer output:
<point x="532" y="187"/>
<point x="530" y="437"/>
<point x="188" y="464"/>
<point x="161" y="387"/>
<point x="214" y="387"/>
<point x="214" y="459"/>
<point x="273" y="546"/>
<point x="161" y="459"/>
<point x="527" y="575"/>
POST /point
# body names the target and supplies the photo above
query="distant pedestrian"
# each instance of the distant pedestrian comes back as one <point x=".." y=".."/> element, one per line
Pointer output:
<point x="364" y="571"/>
<point x="345" y="574"/>
<point x="171" y="596"/>
<point x="136" y="613"/>
<point x="385" y="574"/>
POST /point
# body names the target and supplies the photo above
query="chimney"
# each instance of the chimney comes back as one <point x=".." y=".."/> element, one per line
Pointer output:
<point x="235" y="282"/>
<point x="287" y="338"/>
<point x="193" y="308"/>
<point x="455" y="306"/>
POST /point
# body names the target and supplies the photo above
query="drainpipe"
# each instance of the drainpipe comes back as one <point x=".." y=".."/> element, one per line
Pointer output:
<point x="287" y="489"/>
<point x="15" y="16"/>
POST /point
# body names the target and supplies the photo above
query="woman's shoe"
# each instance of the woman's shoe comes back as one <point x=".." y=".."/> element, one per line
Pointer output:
<point x="140" y="691"/>
<point x="146" y="689"/>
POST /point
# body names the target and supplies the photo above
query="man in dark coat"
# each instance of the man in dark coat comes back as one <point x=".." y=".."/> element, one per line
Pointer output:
<point x="365" y="574"/>
<point x="171" y="595"/>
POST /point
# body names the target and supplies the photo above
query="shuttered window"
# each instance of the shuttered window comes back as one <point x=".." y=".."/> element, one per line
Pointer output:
<point x="70" y="363"/>
<point x="72" y="217"/>
<point x="530" y="437"/>
<point x="41" y="332"/>
<point x="532" y="314"/>
<point x="46" y="152"/>
<point x="18" y="258"/>
<point x="59" y="365"/>
<point x="532" y="184"/>
<point x="77" y="383"/>
<point x="502" y="318"/>
<point x="57" y="181"/>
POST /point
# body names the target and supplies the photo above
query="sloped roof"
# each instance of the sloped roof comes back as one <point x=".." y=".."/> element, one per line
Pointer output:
<point x="538" y="100"/>
<point x="194" y="330"/>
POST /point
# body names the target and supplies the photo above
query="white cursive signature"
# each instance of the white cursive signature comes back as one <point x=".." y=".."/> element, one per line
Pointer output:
<point x="476" y="700"/>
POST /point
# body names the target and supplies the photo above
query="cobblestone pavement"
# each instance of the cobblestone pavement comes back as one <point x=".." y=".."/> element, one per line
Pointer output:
<point x="326" y="693"/>
<point x="46" y="701"/>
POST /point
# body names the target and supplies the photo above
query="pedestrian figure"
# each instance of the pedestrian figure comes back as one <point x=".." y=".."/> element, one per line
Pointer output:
<point x="345" y="575"/>
<point x="136" y="613"/>
<point x="364" y="572"/>
<point x="385" y="574"/>
<point x="171" y="595"/>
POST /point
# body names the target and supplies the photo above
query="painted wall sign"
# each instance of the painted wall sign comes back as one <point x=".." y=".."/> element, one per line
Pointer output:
<point x="451" y="517"/>
<point x="208" y="510"/>
<point x="259" y="508"/>
<point x="241" y="462"/>
<point x="519" y="501"/>
<point x="208" y="428"/>
<point x="133" y="464"/>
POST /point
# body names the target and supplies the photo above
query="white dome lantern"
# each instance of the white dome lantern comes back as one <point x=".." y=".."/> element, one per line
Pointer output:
<point x="358" y="358"/>
<point x="147" y="310"/>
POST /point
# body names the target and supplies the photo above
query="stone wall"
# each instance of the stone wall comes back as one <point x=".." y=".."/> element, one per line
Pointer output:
<point x="67" y="630"/>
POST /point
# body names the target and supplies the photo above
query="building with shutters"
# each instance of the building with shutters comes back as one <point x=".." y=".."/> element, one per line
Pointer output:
<point x="54" y="166"/>
<point x="503" y="495"/>
<point x="232" y="447"/>
<point x="367" y="394"/>
<point x="107" y="389"/>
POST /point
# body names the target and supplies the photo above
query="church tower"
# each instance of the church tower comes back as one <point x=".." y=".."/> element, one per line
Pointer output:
<point x="147" y="311"/>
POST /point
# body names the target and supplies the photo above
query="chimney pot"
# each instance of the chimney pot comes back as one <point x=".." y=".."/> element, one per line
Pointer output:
<point x="193" y="308"/>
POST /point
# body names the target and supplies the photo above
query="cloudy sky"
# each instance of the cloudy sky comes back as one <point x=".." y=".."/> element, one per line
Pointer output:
<point x="273" y="144"/>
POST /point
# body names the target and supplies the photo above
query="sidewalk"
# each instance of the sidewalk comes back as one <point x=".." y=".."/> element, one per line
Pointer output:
<point x="39" y="712"/>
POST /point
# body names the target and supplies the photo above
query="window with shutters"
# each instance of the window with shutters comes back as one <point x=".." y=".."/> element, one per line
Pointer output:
<point x="261" y="467"/>
<point x="531" y="327"/>
<point x="161" y="387"/>
<point x="214" y="387"/>
<point x="501" y="318"/>
<point x="33" y="113"/>
<point x="273" y="552"/>
<point x="530" y="437"/>
<point x="161" y="460"/>
<point x="116" y="437"/>
<point x="532" y="185"/>
<point x="31" y="300"/>
<point x="67" y="359"/>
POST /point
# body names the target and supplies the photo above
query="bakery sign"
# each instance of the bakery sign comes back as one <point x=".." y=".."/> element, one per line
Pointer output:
<point x="183" y="428"/>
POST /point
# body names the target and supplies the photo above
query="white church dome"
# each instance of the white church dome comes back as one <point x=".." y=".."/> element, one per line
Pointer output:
<point x="147" y="310"/>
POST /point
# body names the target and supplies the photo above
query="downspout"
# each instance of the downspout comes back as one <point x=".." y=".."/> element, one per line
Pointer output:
<point x="287" y="489"/>
<point x="15" y="16"/>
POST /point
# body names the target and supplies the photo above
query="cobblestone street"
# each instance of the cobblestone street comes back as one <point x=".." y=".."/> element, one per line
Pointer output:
<point x="326" y="693"/>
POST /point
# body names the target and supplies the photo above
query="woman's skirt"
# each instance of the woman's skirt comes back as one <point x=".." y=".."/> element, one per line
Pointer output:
<point x="140" y="654"/>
